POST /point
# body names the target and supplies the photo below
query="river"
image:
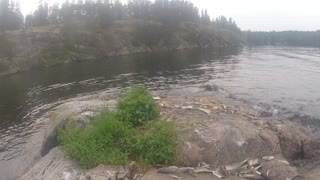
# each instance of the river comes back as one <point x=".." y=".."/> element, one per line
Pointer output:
<point x="273" y="80"/>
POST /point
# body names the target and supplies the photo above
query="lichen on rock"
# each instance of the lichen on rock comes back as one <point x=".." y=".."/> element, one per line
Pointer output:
<point x="224" y="136"/>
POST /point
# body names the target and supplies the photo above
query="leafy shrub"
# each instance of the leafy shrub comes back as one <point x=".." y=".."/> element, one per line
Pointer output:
<point x="110" y="140"/>
<point x="159" y="143"/>
<point x="138" y="107"/>
<point x="102" y="144"/>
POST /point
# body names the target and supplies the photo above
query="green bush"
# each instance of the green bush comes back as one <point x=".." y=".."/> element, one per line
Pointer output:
<point x="110" y="140"/>
<point x="138" y="107"/>
<point x="101" y="143"/>
<point x="160" y="143"/>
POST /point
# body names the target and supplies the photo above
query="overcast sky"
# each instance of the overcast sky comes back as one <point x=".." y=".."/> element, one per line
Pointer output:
<point x="265" y="15"/>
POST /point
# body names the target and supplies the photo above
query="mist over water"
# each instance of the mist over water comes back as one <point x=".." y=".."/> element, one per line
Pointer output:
<point x="272" y="80"/>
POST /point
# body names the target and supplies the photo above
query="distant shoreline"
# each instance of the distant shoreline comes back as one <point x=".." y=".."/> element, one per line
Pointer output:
<point x="26" y="50"/>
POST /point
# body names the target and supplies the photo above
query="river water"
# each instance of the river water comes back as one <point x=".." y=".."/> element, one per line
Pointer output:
<point x="273" y="80"/>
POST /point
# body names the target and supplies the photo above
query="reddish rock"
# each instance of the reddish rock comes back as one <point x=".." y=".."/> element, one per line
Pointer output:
<point x="278" y="169"/>
<point x="219" y="136"/>
<point x="297" y="142"/>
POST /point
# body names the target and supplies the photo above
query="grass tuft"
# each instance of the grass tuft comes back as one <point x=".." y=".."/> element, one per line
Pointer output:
<point x="137" y="107"/>
<point x="117" y="137"/>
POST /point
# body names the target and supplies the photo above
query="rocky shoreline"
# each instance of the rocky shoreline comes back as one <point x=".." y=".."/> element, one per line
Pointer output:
<point x="48" y="46"/>
<point x="212" y="133"/>
<point x="33" y="50"/>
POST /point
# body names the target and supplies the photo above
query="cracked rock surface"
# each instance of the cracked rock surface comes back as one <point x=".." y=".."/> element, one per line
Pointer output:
<point x="211" y="132"/>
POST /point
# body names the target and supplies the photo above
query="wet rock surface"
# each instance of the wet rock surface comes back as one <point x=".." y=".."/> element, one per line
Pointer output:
<point x="103" y="172"/>
<point x="71" y="114"/>
<point x="57" y="166"/>
<point x="309" y="169"/>
<point x="223" y="135"/>
<point x="297" y="142"/>
<point x="212" y="133"/>
<point x="227" y="135"/>
<point x="269" y="167"/>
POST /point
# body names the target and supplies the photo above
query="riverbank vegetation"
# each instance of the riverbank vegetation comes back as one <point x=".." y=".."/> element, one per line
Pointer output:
<point x="96" y="29"/>
<point x="152" y="22"/>
<point x="132" y="133"/>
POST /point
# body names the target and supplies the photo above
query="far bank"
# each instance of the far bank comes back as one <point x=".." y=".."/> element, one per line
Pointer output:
<point x="60" y="44"/>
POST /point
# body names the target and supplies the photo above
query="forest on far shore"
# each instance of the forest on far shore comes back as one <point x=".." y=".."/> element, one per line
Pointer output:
<point x="286" y="38"/>
<point x="152" y="21"/>
<point x="156" y="20"/>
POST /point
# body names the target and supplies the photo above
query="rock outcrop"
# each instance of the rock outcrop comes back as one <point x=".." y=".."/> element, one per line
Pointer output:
<point x="57" y="166"/>
<point x="222" y="135"/>
<point x="77" y="113"/>
<point x="47" y="46"/>
<point x="212" y="133"/>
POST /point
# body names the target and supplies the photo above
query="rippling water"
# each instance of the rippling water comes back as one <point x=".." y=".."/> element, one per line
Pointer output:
<point x="284" y="77"/>
<point x="271" y="79"/>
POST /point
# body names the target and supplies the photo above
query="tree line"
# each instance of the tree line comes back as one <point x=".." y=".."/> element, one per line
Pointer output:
<point x="11" y="17"/>
<point x="287" y="38"/>
<point x="170" y="14"/>
<point x="94" y="29"/>
<point x="104" y="12"/>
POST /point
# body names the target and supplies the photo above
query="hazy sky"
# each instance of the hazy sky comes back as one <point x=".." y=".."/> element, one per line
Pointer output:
<point x="265" y="15"/>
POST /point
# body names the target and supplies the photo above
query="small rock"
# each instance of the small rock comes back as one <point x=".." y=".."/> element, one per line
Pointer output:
<point x="89" y="114"/>
<point x="103" y="172"/>
<point x="202" y="170"/>
<point x="207" y="111"/>
<point x="215" y="108"/>
<point x="69" y="173"/>
<point x="277" y="170"/>
<point x="163" y="104"/>
<point x="283" y="161"/>
<point x="176" y="177"/>
<point x="268" y="158"/>
<point x="186" y="107"/>
<point x="174" y="170"/>
<point x="54" y="166"/>
<point x="220" y="173"/>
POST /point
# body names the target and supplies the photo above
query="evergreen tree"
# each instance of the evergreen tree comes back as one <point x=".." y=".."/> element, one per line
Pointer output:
<point x="40" y="16"/>
<point x="4" y="14"/>
<point x="29" y="21"/>
<point x="153" y="20"/>
<point x="205" y="18"/>
<point x="53" y="16"/>
<point x="11" y="17"/>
